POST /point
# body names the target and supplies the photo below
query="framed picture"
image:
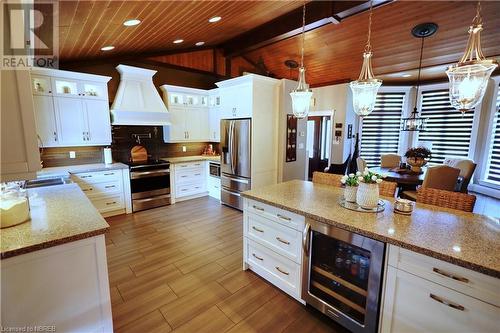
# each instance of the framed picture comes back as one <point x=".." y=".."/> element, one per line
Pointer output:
<point x="291" y="138"/>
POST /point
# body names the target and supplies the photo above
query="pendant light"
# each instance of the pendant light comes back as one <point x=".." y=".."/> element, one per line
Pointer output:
<point x="301" y="96"/>
<point x="414" y="122"/>
<point x="365" y="88"/>
<point x="469" y="77"/>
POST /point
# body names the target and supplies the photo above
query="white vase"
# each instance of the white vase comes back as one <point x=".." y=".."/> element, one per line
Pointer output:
<point x="367" y="195"/>
<point x="350" y="193"/>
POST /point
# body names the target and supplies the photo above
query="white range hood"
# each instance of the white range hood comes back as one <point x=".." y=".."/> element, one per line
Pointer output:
<point x="137" y="102"/>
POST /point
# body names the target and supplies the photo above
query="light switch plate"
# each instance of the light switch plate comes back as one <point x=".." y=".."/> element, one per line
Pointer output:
<point x="184" y="149"/>
<point x="72" y="154"/>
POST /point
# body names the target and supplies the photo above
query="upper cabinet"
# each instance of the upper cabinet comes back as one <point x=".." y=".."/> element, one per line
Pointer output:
<point x="189" y="114"/>
<point x="214" y="115"/>
<point x="71" y="109"/>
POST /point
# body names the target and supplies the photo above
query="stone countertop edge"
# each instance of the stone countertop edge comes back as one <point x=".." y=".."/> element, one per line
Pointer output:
<point x="383" y="238"/>
<point x="183" y="159"/>
<point x="80" y="168"/>
<point x="59" y="214"/>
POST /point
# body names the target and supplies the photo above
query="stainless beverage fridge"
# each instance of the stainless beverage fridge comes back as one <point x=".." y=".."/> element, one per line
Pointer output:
<point x="236" y="160"/>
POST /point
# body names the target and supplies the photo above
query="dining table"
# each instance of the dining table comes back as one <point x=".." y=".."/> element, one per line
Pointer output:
<point x="403" y="177"/>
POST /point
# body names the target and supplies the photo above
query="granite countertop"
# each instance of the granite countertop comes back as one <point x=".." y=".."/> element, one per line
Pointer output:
<point x="465" y="239"/>
<point x="63" y="171"/>
<point x="182" y="159"/>
<point x="59" y="214"/>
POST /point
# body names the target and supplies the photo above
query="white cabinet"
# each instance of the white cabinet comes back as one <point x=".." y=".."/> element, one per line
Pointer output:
<point x="424" y="294"/>
<point x="71" y="109"/>
<point x="272" y="245"/>
<point x="236" y="101"/>
<point x="20" y="157"/>
<point x="189" y="114"/>
<point x="214" y="116"/>
<point x="106" y="190"/>
<point x="214" y="187"/>
<point x="45" y="119"/>
<point x="189" y="180"/>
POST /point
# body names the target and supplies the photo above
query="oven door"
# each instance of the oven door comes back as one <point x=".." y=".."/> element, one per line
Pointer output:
<point x="342" y="275"/>
<point x="144" y="184"/>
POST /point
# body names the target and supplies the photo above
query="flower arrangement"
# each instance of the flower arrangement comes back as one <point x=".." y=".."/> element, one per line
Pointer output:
<point x="418" y="152"/>
<point x="369" y="177"/>
<point x="349" y="180"/>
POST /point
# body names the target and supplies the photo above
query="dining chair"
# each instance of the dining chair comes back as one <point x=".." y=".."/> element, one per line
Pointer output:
<point x="441" y="177"/>
<point x="361" y="163"/>
<point x="327" y="178"/>
<point x="447" y="199"/>
<point x="388" y="189"/>
<point x="467" y="168"/>
<point x="390" y="160"/>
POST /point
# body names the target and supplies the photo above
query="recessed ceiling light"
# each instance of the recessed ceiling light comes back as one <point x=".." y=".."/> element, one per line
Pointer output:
<point x="130" y="23"/>
<point x="107" y="48"/>
<point x="199" y="43"/>
<point x="405" y="75"/>
<point x="178" y="41"/>
<point x="214" y="19"/>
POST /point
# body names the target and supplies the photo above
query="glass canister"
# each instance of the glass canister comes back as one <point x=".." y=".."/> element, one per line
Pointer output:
<point x="14" y="205"/>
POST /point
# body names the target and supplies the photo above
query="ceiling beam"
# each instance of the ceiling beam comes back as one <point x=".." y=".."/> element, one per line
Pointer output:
<point x="318" y="14"/>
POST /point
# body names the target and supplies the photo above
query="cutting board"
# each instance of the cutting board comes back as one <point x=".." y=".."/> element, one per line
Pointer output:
<point x="138" y="154"/>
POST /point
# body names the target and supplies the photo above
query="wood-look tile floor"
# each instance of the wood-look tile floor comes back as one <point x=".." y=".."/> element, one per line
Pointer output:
<point x="179" y="268"/>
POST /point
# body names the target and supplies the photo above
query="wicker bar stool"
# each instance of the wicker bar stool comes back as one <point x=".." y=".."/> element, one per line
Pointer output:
<point x="388" y="189"/>
<point x="327" y="178"/>
<point x="447" y="199"/>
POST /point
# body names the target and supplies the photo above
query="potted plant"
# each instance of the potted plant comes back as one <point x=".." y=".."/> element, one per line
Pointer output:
<point x="351" y="187"/>
<point x="368" y="193"/>
<point x="417" y="157"/>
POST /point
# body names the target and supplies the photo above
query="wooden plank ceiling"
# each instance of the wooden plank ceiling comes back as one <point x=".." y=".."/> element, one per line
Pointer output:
<point x="86" y="26"/>
<point x="333" y="53"/>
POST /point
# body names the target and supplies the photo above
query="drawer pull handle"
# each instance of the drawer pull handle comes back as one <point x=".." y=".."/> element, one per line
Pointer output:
<point x="283" y="241"/>
<point x="284" y="217"/>
<point x="258" y="208"/>
<point x="451" y="276"/>
<point x="109" y="186"/>
<point x="448" y="303"/>
<point x="257" y="229"/>
<point x="257" y="257"/>
<point x="109" y="174"/>
<point x="110" y="203"/>
<point x="89" y="176"/>
<point x="281" y="271"/>
<point x="184" y="176"/>
<point x="87" y="189"/>
<point x="197" y="174"/>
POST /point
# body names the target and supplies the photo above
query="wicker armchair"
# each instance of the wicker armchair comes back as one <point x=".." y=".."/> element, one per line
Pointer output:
<point x="388" y="189"/>
<point x="447" y="199"/>
<point x="327" y="178"/>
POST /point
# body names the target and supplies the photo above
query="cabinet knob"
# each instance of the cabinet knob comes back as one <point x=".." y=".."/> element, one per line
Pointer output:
<point x="50" y="91"/>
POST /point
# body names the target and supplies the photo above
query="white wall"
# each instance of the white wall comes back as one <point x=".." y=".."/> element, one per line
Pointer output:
<point x="297" y="169"/>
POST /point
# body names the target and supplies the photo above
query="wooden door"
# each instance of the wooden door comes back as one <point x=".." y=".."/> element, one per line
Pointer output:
<point x="317" y="144"/>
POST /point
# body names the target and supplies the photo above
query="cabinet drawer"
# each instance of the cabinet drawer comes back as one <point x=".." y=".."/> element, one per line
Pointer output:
<point x="97" y="177"/>
<point x="280" y="271"/>
<point x="452" y="276"/>
<point x="108" y="203"/>
<point x="92" y="190"/>
<point x="183" y="190"/>
<point x="281" y="216"/>
<point x="190" y="176"/>
<point x="423" y="306"/>
<point x="283" y="240"/>
<point x="189" y="165"/>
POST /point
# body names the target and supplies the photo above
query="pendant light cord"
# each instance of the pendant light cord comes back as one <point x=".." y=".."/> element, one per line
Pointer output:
<point x="368" y="47"/>
<point x="478" y="19"/>
<point x="303" y="33"/>
<point x="418" y="77"/>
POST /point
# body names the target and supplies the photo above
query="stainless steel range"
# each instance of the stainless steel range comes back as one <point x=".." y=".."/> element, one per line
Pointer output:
<point x="149" y="184"/>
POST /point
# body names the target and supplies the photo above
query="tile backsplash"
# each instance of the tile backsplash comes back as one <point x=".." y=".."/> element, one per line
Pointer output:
<point x="54" y="157"/>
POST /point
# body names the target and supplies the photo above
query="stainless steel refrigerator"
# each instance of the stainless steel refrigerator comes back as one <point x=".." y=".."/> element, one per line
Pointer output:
<point x="236" y="160"/>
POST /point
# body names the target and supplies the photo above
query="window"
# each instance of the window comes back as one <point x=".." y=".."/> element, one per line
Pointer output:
<point x="493" y="164"/>
<point x="381" y="129"/>
<point x="447" y="129"/>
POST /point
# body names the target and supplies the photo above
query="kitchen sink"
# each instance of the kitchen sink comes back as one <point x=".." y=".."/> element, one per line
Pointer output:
<point x="45" y="182"/>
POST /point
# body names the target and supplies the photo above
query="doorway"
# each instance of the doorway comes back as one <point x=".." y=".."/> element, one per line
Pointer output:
<point x="318" y="143"/>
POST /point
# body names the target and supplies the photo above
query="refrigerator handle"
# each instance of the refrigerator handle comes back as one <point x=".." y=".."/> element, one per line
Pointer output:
<point x="234" y="150"/>
<point x="230" y="146"/>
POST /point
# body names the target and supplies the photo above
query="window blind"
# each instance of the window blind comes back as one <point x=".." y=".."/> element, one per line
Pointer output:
<point x="447" y="129"/>
<point x="493" y="172"/>
<point x="381" y="128"/>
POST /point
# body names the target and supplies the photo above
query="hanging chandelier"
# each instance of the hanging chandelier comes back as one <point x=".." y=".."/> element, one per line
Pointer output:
<point x="301" y="96"/>
<point x="469" y="77"/>
<point x="414" y="122"/>
<point x="365" y="88"/>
